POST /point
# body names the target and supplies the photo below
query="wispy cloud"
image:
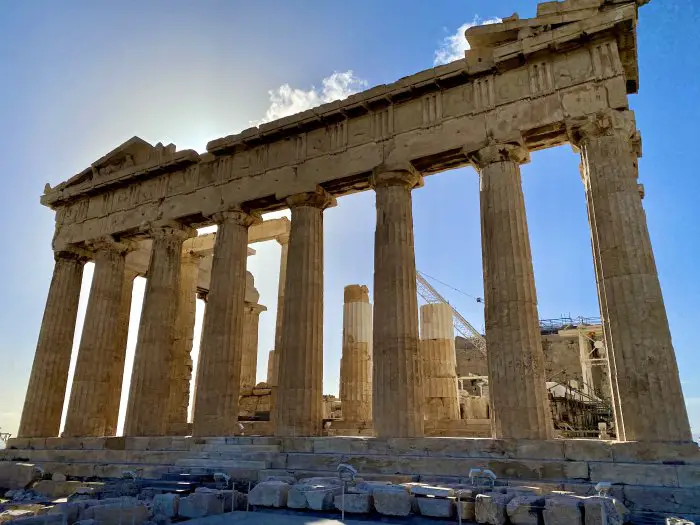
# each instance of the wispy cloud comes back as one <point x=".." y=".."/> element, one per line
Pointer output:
<point x="286" y="100"/>
<point x="453" y="46"/>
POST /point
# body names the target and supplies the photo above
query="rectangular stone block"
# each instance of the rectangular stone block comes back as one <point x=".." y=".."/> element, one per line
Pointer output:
<point x="638" y="452"/>
<point x="587" y="450"/>
<point x="631" y="474"/>
<point x="16" y="475"/>
<point x="688" y="475"/>
<point x="118" y="514"/>
<point x="662" y="499"/>
<point x="340" y="445"/>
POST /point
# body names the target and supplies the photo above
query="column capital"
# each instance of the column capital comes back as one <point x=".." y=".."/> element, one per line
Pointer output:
<point x="255" y="308"/>
<point x="237" y="216"/>
<point x="494" y="153"/>
<point x="403" y="174"/>
<point x="603" y="124"/>
<point x="356" y="293"/>
<point x="71" y="254"/>
<point x="283" y="238"/>
<point x="319" y="198"/>
<point x="203" y="295"/>
<point x="168" y="229"/>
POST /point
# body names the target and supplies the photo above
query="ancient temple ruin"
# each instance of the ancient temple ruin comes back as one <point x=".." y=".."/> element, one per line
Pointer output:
<point x="563" y="77"/>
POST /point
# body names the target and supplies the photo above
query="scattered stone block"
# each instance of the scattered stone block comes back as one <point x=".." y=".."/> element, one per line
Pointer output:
<point x="492" y="508"/>
<point x="86" y="522"/>
<point x="525" y="510"/>
<point x="430" y="490"/>
<point x="269" y="494"/>
<point x="436" y="507"/>
<point x="166" y="505"/>
<point x="121" y="514"/>
<point x="290" y="480"/>
<point x="563" y="510"/>
<point x="201" y="504"/>
<point x="296" y="497"/>
<point x="62" y="489"/>
<point x="466" y="509"/>
<point x="44" y="519"/>
<point x="69" y="509"/>
<point x="17" y="475"/>
<point x="601" y="510"/>
<point x="392" y="500"/>
<point x="678" y="521"/>
<point x="57" y="476"/>
<point x="355" y="503"/>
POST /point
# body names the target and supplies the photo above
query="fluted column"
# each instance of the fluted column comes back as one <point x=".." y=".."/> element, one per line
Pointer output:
<point x="439" y="362"/>
<point x="299" y="406"/>
<point x="283" y="240"/>
<point x="356" y="360"/>
<point x="271" y="369"/>
<point x="221" y="348"/>
<point x="147" y="409"/>
<point x="91" y="390"/>
<point x="117" y="375"/>
<point x="43" y="404"/>
<point x="611" y="370"/>
<point x="397" y="383"/>
<point x="181" y="360"/>
<point x="651" y="401"/>
<point x="515" y="357"/>
<point x="249" y="359"/>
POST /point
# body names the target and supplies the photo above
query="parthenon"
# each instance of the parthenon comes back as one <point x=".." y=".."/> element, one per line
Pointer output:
<point x="563" y="77"/>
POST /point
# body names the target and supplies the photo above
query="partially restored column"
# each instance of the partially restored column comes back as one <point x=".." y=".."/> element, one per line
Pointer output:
<point x="221" y="348"/>
<point x="91" y="392"/>
<point x="43" y="404"/>
<point x="437" y="348"/>
<point x="249" y="359"/>
<point x="651" y="401"/>
<point x="147" y="409"/>
<point x="397" y="383"/>
<point x="181" y="360"/>
<point x="116" y="378"/>
<point x="515" y="357"/>
<point x="283" y="240"/>
<point x="356" y="360"/>
<point x="299" y="406"/>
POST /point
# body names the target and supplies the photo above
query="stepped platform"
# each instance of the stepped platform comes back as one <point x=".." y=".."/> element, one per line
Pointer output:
<point x="658" y="478"/>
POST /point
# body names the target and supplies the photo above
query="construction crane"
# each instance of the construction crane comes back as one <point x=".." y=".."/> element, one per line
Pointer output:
<point x="431" y="296"/>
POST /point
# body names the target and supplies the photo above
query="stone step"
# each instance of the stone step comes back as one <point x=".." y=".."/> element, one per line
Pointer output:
<point x="214" y="464"/>
<point x="232" y="447"/>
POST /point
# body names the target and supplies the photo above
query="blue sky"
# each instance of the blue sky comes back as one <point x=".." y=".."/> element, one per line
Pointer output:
<point x="79" y="78"/>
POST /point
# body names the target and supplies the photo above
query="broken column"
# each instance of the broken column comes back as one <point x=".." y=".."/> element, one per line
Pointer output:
<point x="43" y="405"/>
<point x="91" y="389"/>
<point x="181" y="360"/>
<point x="515" y="357"/>
<point x="299" y="407"/>
<point x="249" y="359"/>
<point x="147" y="408"/>
<point x="356" y="360"/>
<point x="439" y="362"/>
<point x="397" y="382"/>
<point x="640" y="348"/>
<point x="219" y="374"/>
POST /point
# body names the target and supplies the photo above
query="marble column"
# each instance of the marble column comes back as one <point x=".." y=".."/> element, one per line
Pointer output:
<point x="116" y="378"/>
<point x="43" y="404"/>
<point x="181" y="360"/>
<point x="356" y="360"/>
<point x="147" y="409"/>
<point x="437" y="348"/>
<point x="299" y="406"/>
<point x="249" y="359"/>
<point x="283" y="240"/>
<point x="611" y="371"/>
<point x="651" y="401"/>
<point x="271" y="369"/>
<point x="92" y="383"/>
<point x="397" y="382"/>
<point x="221" y="348"/>
<point x="515" y="357"/>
